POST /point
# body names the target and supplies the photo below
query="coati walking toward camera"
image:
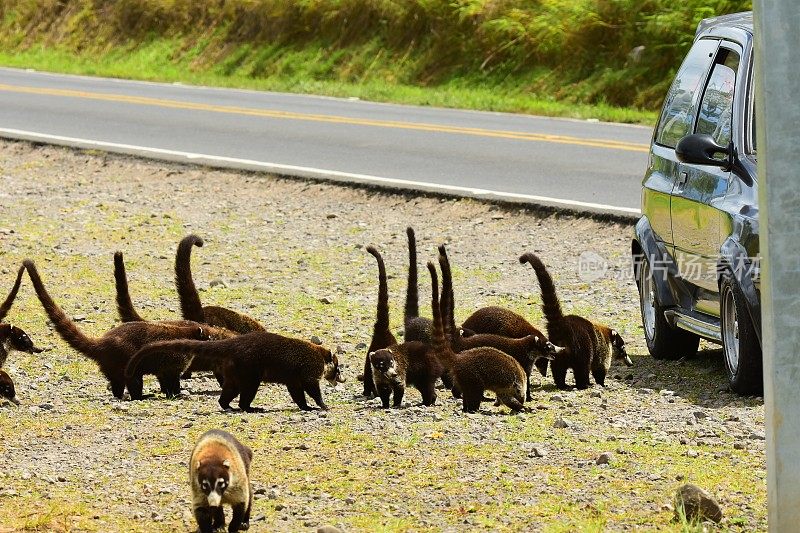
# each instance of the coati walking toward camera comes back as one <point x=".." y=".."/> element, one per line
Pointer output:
<point x="477" y="369"/>
<point x="590" y="347"/>
<point x="416" y="328"/>
<point x="381" y="335"/>
<point x="192" y="308"/>
<point x="260" y="357"/>
<point x="112" y="351"/>
<point x="7" y="388"/>
<point x="527" y="351"/>
<point x="219" y="473"/>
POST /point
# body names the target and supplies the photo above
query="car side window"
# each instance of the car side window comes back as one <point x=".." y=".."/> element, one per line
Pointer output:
<point x="677" y="115"/>
<point x="716" y="107"/>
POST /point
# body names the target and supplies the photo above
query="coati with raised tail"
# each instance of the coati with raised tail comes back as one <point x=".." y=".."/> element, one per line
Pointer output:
<point x="219" y="473"/>
<point x="125" y="309"/>
<point x="192" y="308"/>
<point x="259" y="357"/>
<point x="112" y="351"/>
<point x="5" y="307"/>
<point x="590" y="347"/>
<point x="382" y="337"/>
<point x="417" y="328"/>
<point x="477" y="369"/>
<point x="527" y="351"/>
<point x="7" y="388"/>
<point x="13" y="338"/>
<point x="411" y="363"/>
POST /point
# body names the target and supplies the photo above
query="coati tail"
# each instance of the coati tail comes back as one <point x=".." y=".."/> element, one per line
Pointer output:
<point x="447" y="304"/>
<point x="191" y="307"/>
<point x="412" y="296"/>
<point x="64" y="326"/>
<point x="124" y="304"/>
<point x="550" y="304"/>
<point x="6" y="306"/>
<point x="382" y="316"/>
<point x="440" y="345"/>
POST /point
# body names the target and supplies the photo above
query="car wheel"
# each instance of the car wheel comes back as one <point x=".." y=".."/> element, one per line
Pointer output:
<point x="663" y="340"/>
<point x="740" y="344"/>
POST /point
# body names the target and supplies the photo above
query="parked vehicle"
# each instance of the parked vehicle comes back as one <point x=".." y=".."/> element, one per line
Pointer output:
<point x="696" y="245"/>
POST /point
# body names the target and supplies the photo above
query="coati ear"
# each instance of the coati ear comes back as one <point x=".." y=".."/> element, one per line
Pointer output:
<point x="226" y="463"/>
<point x="616" y="338"/>
<point x="197" y="466"/>
<point x="371" y="355"/>
<point x="328" y="356"/>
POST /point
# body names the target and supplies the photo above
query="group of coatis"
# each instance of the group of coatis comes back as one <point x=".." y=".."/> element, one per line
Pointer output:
<point x="495" y="349"/>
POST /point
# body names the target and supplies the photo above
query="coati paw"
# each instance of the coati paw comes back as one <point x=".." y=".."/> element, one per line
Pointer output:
<point x="253" y="410"/>
<point x="244" y="526"/>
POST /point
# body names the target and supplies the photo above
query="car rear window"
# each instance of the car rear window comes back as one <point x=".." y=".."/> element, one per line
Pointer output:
<point x="678" y="112"/>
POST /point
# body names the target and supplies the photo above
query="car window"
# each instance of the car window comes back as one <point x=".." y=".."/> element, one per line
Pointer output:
<point x="677" y="116"/>
<point x="716" y="107"/>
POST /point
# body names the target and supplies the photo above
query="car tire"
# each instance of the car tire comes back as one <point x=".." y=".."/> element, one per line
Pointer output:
<point x="663" y="340"/>
<point x="740" y="346"/>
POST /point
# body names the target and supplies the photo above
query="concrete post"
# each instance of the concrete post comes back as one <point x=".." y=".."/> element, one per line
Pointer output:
<point x="777" y="42"/>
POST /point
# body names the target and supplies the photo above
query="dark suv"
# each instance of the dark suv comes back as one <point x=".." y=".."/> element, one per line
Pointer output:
<point x="695" y="249"/>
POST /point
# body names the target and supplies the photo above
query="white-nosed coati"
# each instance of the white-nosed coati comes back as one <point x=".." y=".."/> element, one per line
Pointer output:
<point x="12" y="337"/>
<point x="590" y="347"/>
<point x="416" y="328"/>
<point x="7" y="388"/>
<point x="219" y="472"/>
<point x="112" y="351"/>
<point x="253" y="358"/>
<point x="192" y="308"/>
<point x="478" y="369"/>
<point x="381" y="335"/>
<point x="527" y="351"/>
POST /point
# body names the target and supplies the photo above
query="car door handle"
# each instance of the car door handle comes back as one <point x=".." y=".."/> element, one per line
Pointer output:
<point x="682" y="177"/>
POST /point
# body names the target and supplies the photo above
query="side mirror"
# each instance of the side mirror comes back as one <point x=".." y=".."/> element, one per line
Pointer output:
<point x="699" y="149"/>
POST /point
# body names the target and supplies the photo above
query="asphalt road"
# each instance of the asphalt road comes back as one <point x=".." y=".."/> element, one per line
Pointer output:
<point x="581" y="165"/>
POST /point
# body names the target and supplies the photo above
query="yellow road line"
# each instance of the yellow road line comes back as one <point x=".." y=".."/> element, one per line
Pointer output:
<point x="288" y="115"/>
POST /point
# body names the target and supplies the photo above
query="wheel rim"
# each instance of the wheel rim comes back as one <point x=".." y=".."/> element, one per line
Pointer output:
<point x="647" y="299"/>
<point x="730" y="331"/>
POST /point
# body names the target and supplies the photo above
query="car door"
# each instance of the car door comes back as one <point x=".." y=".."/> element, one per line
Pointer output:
<point x="700" y="189"/>
<point x="677" y="119"/>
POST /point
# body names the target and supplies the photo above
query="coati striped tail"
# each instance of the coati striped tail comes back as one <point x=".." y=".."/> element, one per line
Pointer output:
<point x="124" y="304"/>
<point x="382" y="316"/>
<point x="412" y="296"/>
<point x="550" y="304"/>
<point x="440" y="345"/>
<point x="447" y="303"/>
<point x="6" y="307"/>
<point x="64" y="326"/>
<point x="191" y="307"/>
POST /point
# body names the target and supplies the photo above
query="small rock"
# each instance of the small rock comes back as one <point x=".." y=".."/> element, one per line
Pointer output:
<point x="331" y="215"/>
<point x="218" y="283"/>
<point x="757" y="435"/>
<point x="328" y="529"/>
<point x="361" y="346"/>
<point x="325" y="300"/>
<point x="46" y="406"/>
<point x="316" y="340"/>
<point x="739" y="446"/>
<point x="62" y="479"/>
<point x="696" y="504"/>
<point x="302" y="446"/>
<point x="691" y="453"/>
<point x="498" y="217"/>
<point x="273" y="494"/>
<point x="596" y="394"/>
<point x="699" y="415"/>
<point x="562" y="423"/>
<point x="603" y="459"/>
<point x="538" y="451"/>
<point x="279" y="507"/>
<point x="556" y="398"/>
<point x="349" y="500"/>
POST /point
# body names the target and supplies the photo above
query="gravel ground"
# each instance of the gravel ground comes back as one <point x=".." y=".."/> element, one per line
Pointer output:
<point x="291" y="254"/>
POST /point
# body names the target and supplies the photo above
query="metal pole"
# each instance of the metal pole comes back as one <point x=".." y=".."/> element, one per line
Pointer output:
<point x="777" y="42"/>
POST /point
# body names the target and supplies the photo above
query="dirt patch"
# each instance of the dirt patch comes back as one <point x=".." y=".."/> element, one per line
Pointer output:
<point x="291" y="254"/>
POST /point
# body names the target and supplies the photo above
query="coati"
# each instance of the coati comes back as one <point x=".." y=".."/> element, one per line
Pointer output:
<point x="7" y="388"/>
<point x="411" y="363"/>
<point x="417" y="328"/>
<point x="5" y="307"/>
<point x="527" y="351"/>
<point x="477" y="369"/>
<point x="125" y="309"/>
<point x="381" y="335"/>
<point x="12" y="337"/>
<point x="219" y="472"/>
<point x="191" y="308"/>
<point x="253" y="358"/>
<point x="112" y="351"/>
<point x="590" y="347"/>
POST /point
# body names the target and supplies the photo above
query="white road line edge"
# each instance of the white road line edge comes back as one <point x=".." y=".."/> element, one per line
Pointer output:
<point x="315" y="173"/>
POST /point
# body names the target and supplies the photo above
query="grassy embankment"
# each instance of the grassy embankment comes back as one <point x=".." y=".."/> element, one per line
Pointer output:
<point x="605" y="59"/>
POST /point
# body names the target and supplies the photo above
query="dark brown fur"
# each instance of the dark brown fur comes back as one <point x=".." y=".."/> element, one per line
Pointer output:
<point x="253" y="358"/>
<point x="192" y="308"/>
<point x="479" y="369"/>
<point x="5" y="307"/>
<point x="112" y="351"/>
<point x="590" y="347"/>
<point x="531" y="349"/>
<point x="381" y="335"/>
<point x="219" y="469"/>
<point x="417" y="328"/>
<point x="7" y="388"/>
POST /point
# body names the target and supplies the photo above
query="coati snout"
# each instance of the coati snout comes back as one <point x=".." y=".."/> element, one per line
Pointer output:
<point x="618" y="351"/>
<point x="332" y="372"/>
<point x="214" y="479"/>
<point x="383" y="361"/>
